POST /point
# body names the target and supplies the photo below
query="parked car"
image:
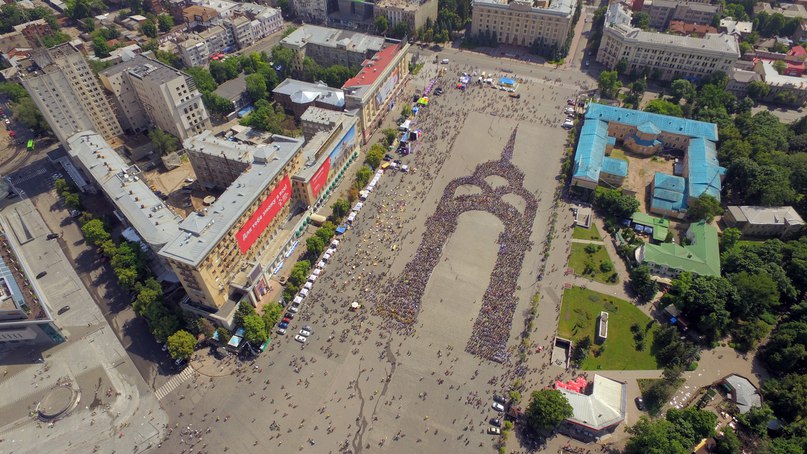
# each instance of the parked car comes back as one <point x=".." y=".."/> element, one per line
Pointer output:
<point x="281" y="331"/>
<point x="289" y="315"/>
<point x="283" y="325"/>
<point x="63" y="310"/>
<point x="494" y="431"/>
<point x="496" y="422"/>
<point x="499" y="399"/>
<point x="498" y="407"/>
<point x="294" y="308"/>
<point x="305" y="333"/>
<point x="640" y="403"/>
<point x="52" y="236"/>
<point x="41" y="274"/>
<point x="286" y="319"/>
<point x="300" y="339"/>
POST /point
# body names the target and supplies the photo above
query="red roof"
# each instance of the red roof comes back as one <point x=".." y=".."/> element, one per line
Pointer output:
<point x="372" y="68"/>
<point x="797" y="51"/>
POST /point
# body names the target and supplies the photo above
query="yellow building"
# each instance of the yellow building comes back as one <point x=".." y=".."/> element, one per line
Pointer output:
<point x="524" y="23"/>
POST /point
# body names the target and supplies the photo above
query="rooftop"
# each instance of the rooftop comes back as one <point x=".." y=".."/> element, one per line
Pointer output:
<point x="146" y="213"/>
<point x="371" y="70"/>
<point x="331" y="37"/>
<point x="201" y="231"/>
<point x="772" y="77"/>
<point x="704" y="172"/>
<point x="713" y="42"/>
<point x="604" y="407"/>
<point x="746" y="394"/>
<point x="558" y="7"/>
<point x="146" y="68"/>
<point x="660" y="226"/>
<point x="302" y="92"/>
<point x="232" y="89"/>
<point x="702" y="257"/>
<point x="766" y="215"/>
<point x="320" y="115"/>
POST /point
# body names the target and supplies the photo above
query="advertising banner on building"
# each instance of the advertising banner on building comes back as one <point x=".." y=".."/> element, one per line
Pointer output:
<point x="386" y="89"/>
<point x="348" y="143"/>
<point x="264" y="215"/>
<point x="320" y="177"/>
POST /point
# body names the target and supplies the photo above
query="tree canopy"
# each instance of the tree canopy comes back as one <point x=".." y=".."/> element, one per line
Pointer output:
<point x="547" y="409"/>
<point x="181" y="344"/>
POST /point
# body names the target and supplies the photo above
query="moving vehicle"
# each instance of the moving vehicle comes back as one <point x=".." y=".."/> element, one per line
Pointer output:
<point x="300" y="339"/>
<point x="30" y="145"/>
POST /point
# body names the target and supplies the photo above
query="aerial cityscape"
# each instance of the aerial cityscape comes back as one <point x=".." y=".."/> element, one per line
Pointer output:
<point x="403" y="226"/>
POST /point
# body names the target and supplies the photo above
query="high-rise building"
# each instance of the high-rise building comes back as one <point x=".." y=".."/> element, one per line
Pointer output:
<point x="68" y="95"/>
<point x="536" y="23"/>
<point x="149" y="92"/>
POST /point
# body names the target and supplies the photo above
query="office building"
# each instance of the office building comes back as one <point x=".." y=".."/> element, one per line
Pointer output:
<point x="374" y="90"/>
<point x="329" y="46"/>
<point x="311" y="10"/>
<point x="662" y="12"/>
<point x="413" y="12"/>
<point x="224" y="252"/>
<point x="660" y="55"/>
<point x="316" y="119"/>
<point x="297" y="96"/>
<point x="529" y="23"/>
<point x="700" y="257"/>
<point x="68" y="95"/>
<point x="193" y="50"/>
<point x="151" y="93"/>
<point x="756" y="221"/>
<point x="598" y="407"/>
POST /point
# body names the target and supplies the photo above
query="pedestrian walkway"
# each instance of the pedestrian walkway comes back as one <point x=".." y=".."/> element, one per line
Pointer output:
<point x="576" y="240"/>
<point x="173" y="383"/>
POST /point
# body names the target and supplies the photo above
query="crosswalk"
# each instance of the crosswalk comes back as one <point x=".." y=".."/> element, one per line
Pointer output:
<point x="173" y="383"/>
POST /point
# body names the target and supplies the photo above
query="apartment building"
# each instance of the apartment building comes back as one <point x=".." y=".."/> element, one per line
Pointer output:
<point x="240" y="27"/>
<point x="68" y="95"/>
<point x="666" y="56"/>
<point x="150" y="92"/>
<point x="193" y="51"/>
<point x="329" y="46"/>
<point x="311" y="10"/>
<point x="223" y="253"/>
<point x="662" y="12"/>
<point x="413" y="12"/>
<point x="317" y="119"/>
<point x="524" y="22"/>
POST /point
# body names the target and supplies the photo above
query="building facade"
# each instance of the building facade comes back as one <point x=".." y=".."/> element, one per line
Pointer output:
<point x="662" y="12"/>
<point x="764" y="222"/>
<point x="523" y="22"/>
<point x="700" y="257"/>
<point x="166" y="97"/>
<point x="193" y="51"/>
<point x="315" y="11"/>
<point x="298" y="96"/>
<point x="413" y="12"/>
<point x="329" y="46"/>
<point x="666" y="56"/>
<point x="68" y="95"/>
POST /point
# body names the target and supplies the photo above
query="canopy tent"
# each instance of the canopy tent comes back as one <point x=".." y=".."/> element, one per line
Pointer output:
<point x="321" y="264"/>
<point x="326" y="257"/>
<point x="341" y="229"/>
<point x="351" y="216"/>
<point x="317" y="272"/>
<point x="334" y="243"/>
<point x="309" y="285"/>
<point x="405" y="125"/>
<point x="506" y="81"/>
<point x="298" y="299"/>
<point x="424" y="101"/>
<point x="358" y="206"/>
<point x="304" y="292"/>
<point x="330" y="251"/>
<point x="312" y="278"/>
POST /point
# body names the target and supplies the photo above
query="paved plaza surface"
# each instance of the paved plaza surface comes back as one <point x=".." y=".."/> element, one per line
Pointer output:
<point x="355" y="385"/>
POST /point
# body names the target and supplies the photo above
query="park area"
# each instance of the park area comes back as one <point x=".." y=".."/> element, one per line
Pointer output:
<point x="628" y="329"/>
<point x="590" y="234"/>
<point x="592" y="261"/>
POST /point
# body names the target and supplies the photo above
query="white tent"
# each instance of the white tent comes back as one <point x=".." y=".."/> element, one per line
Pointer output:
<point x="326" y="257"/>
<point x="312" y="278"/>
<point x="298" y="299"/>
<point x="334" y="243"/>
<point x="358" y="206"/>
<point x="308" y="285"/>
<point x="317" y="272"/>
<point x="330" y="251"/>
<point x="321" y="264"/>
<point x="304" y="292"/>
<point x="351" y="216"/>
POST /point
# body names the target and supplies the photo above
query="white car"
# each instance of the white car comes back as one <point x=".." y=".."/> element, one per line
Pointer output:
<point x="305" y="333"/>
<point x="294" y="308"/>
<point x="281" y="331"/>
<point x="498" y="407"/>
<point x="494" y="431"/>
<point x="569" y="110"/>
<point x="300" y="339"/>
<point x="568" y="124"/>
<point x="189" y="180"/>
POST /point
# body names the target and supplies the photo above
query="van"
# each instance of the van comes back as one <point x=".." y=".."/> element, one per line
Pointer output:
<point x="444" y="61"/>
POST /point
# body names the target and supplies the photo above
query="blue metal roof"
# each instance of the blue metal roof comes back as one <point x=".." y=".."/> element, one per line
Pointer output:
<point x="669" y="182"/>
<point x="674" y="125"/>
<point x="648" y="128"/>
<point x="646" y="143"/>
<point x="704" y="172"/>
<point x="615" y="166"/>
<point x="591" y="150"/>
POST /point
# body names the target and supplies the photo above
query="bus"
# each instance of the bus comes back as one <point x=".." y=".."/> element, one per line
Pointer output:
<point x="30" y="144"/>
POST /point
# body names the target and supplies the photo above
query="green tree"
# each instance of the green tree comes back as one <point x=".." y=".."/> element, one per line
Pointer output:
<point x="693" y="424"/>
<point x="374" y="155"/>
<point x="166" y="22"/>
<point x="26" y="112"/>
<point x="756" y="293"/>
<point x="389" y="135"/>
<point x="615" y="203"/>
<point x="787" y="396"/>
<point x="704" y="208"/>
<point x="149" y="29"/>
<point x="644" y="284"/>
<point x="756" y="420"/>
<point x="14" y="91"/>
<point x="100" y="47"/>
<point x="780" y="66"/>
<point x="547" y="409"/>
<point x="670" y="350"/>
<point x="256" y="87"/>
<point x="163" y="142"/>
<point x="363" y="176"/>
<point x="728" y="443"/>
<point x="745" y="48"/>
<point x="79" y="9"/>
<point x="217" y="105"/>
<point x="315" y="246"/>
<point x="255" y="329"/>
<point x="181" y="344"/>
<point x="641" y="20"/>
<point x="127" y="277"/>
<point x="609" y="84"/>
<point x="225" y="70"/>
<point x="758" y="90"/>
<point x="406" y="111"/>
<point x="271" y="315"/>
<point x="786" y="350"/>
<point x="244" y="310"/>
<point x="202" y="78"/>
<point x="655" y="437"/>
<point x="95" y="232"/>
<point x="664" y="107"/>
<point x="621" y="66"/>
<point x="381" y="24"/>
<point x="682" y="89"/>
<point x="340" y="208"/>
<point x="730" y="238"/>
<point x="705" y="302"/>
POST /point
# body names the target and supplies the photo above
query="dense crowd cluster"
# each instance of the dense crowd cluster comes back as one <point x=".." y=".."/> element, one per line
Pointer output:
<point x="492" y="328"/>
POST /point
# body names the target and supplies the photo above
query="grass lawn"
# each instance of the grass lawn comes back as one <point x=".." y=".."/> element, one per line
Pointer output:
<point x="578" y="319"/>
<point x="589" y="265"/>
<point x="591" y="233"/>
<point x="653" y="404"/>
<point x="616" y="153"/>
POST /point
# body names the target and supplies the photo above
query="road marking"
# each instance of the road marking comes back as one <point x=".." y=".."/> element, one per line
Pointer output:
<point x="30" y="176"/>
<point x="173" y="383"/>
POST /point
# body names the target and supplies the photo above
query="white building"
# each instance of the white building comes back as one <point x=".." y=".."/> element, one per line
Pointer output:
<point x="150" y="92"/>
<point x="764" y="221"/>
<point x="68" y="95"/>
<point x="524" y="23"/>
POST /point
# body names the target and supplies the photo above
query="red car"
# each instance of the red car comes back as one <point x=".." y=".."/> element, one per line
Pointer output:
<point x="11" y="133"/>
<point x="286" y="320"/>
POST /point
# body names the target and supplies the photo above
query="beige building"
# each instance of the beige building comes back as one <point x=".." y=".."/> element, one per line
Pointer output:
<point x="413" y="12"/>
<point x="69" y="96"/>
<point x="330" y="46"/>
<point x="669" y="56"/>
<point x="662" y="12"/>
<point x="193" y="51"/>
<point x="311" y="10"/>
<point x="149" y="92"/>
<point x="524" y="23"/>
<point x="223" y="252"/>
<point x="764" y="221"/>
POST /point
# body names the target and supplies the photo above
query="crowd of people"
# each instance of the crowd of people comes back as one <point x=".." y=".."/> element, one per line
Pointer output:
<point x="491" y="330"/>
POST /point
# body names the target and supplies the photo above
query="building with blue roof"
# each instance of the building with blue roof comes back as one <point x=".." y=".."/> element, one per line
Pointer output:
<point x="646" y="133"/>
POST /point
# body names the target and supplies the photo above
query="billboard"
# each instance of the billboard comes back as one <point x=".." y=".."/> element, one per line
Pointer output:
<point x="320" y="177"/>
<point x="386" y="89"/>
<point x="348" y="142"/>
<point x="264" y="215"/>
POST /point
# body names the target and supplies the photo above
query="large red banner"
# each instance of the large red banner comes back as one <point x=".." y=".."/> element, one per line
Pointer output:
<point x="264" y="215"/>
<point x="320" y="177"/>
